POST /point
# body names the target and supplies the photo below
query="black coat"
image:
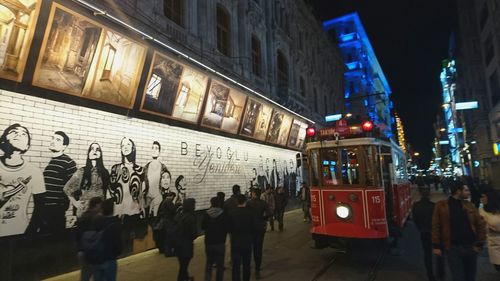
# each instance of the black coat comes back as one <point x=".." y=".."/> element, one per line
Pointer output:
<point x="187" y="232"/>
<point x="215" y="223"/>
<point x="261" y="212"/>
<point x="243" y="227"/>
<point x="422" y="214"/>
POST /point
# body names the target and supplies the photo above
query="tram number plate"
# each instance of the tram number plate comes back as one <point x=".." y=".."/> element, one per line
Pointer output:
<point x="376" y="199"/>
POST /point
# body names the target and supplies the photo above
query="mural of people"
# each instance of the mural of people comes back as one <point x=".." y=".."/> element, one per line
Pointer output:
<point x="126" y="181"/>
<point x="181" y="190"/>
<point x="261" y="176"/>
<point x="89" y="181"/>
<point x="275" y="176"/>
<point x="153" y="172"/>
<point x="19" y="181"/>
<point x="57" y="173"/>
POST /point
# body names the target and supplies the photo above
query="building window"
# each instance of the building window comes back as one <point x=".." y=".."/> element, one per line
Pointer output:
<point x="174" y="10"/>
<point x="256" y="56"/>
<point x="495" y="88"/>
<point x="282" y="73"/>
<point x="483" y="17"/>
<point x="302" y="86"/>
<point x="489" y="51"/>
<point x="223" y="30"/>
<point x="315" y="100"/>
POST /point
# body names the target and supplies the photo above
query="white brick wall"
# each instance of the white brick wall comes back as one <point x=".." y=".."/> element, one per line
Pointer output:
<point x="83" y="125"/>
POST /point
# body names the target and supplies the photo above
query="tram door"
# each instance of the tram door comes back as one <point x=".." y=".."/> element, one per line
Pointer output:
<point x="387" y="176"/>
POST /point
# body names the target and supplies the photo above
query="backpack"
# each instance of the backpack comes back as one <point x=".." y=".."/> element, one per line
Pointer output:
<point x="93" y="245"/>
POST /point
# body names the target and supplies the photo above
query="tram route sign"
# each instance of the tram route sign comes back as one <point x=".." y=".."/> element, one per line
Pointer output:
<point x="342" y="128"/>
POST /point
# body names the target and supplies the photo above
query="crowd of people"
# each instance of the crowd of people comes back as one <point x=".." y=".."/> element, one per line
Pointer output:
<point x="244" y="219"/>
<point x="456" y="229"/>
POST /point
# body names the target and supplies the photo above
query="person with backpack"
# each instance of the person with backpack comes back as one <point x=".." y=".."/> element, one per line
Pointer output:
<point x="186" y="232"/>
<point x="84" y="224"/>
<point x="102" y="244"/>
<point x="215" y="223"/>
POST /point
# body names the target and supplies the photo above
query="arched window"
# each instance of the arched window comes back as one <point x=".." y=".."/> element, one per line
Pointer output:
<point x="174" y="10"/>
<point x="256" y="56"/>
<point x="223" y="30"/>
<point x="282" y="71"/>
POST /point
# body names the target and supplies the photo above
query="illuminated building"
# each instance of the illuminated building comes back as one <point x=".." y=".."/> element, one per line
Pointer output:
<point x="366" y="90"/>
<point x="400" y="132"/>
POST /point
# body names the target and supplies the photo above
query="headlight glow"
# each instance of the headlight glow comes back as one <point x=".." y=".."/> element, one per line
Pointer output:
<point x="343" y="211"/>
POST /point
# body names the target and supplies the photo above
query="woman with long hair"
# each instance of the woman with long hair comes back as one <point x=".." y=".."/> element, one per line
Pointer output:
<point x="490" y="211"/>
<point x="89" y="181"/>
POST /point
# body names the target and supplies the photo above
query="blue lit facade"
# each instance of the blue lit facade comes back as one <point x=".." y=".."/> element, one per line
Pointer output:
<point x="448" y="77"/>
<point x="366" y="90"/>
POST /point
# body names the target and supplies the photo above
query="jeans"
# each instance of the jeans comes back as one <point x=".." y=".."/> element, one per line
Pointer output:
<point x="279" y="217"/>
<point x="258" y="244"/>
<point x="462" y="261"/>
<point x="241" y="256"/>
<point x="105" y="271"/>
<point x="86" y="268"/>
<point x="426" y="240"/>
<point x="215" y="255"/>
<point x="183" y="268"/>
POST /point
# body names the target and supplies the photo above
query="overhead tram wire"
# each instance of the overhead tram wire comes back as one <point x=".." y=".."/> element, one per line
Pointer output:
<point x="104" y="13"/>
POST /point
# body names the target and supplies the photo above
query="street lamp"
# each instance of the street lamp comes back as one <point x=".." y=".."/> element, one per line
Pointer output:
<point x="416" y="154"/>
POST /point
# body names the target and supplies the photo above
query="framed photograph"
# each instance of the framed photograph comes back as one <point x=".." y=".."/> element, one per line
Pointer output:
<point x="190" y="95"/>
<point x="285" y="129"/>
<point x="256" y="120"/>
<point x="17" y="26"/>
<point x="224" y="108"/>
<point x="83" y="58"/>
<point x="297" y="134"/>
<point x="162" y="85"/>
<point x="275" y="126"/>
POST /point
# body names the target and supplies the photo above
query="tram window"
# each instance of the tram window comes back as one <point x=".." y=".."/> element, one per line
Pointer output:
<point x="329" y="166"/>
<point x="371" y="166"/>
<point x="349" y="165"/>
<point x="313" y="164"/>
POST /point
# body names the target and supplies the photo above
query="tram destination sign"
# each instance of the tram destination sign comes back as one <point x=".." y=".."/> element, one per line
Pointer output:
<point x="332" y="131"/>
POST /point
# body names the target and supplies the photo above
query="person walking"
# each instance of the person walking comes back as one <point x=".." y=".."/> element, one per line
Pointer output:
<point x="490" y="212"/>
<point x="268" y="197"/>
<point x="84" y="224"/>
<point x="166" y="215"/>
<point x="243" y="227"/>
<point x="232" y="202"/>
<point x="305" y="197"/>
<point x="281" y="202"/>
<point x="458" y="232"/>
<point x="186" y="233"/>
<point x="106" y="267"/>
<point x="422" y="216"/>
<point x="215" y="223"/>
<point x="261" y="212"/>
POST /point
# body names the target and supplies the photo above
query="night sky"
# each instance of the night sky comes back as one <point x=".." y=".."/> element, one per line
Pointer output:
<point x="410" y="39"/>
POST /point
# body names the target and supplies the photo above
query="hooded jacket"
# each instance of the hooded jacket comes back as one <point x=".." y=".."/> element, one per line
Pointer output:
<point x="215" y="224"/>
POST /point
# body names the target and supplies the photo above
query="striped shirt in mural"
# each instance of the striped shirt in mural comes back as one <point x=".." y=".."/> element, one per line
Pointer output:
<point x="56" y="174"/>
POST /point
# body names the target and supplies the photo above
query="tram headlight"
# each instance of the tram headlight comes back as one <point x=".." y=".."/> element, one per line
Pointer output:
<point x="343" y="211"/>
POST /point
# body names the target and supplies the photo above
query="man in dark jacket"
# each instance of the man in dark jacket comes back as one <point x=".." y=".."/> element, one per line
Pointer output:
<point x="243" y="227"/>
<point x="261" y="212"/>
<point x="186" y="233"/>
<point x="459" y="232"/>
<point x="165" y="217"/>
<point x="106" y="267"/>
<point x="232" y="202"/>
<point x="422" y="216"/>
<point x="215" y="223"/>
<point x="281" y="202"/>
<point x="84" y="223"/>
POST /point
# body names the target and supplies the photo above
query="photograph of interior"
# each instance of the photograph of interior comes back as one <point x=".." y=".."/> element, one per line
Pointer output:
<point x="67" y="52"/>
<point x="190" y="95"/>
<point x="17" y="23"/>
<point x="286" y="123"/>
<point x="297" y="134"/>
<point x="118" y="70"/>
<point x="224" y="107"/>
<point x="256" y="120"/>
<point x="162" y="85"/>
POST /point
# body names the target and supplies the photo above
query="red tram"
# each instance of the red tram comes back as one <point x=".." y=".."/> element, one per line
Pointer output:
<point x="359" y="186"/>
